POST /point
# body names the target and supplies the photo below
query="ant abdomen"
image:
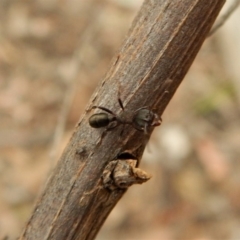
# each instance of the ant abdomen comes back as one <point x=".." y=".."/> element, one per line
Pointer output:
<point x="99" y="120"/>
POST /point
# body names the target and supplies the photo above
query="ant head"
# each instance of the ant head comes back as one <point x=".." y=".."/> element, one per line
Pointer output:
<point x="144" y="119"/>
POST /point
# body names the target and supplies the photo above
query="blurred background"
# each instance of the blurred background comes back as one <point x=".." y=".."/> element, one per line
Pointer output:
<point x="53" y="53"/>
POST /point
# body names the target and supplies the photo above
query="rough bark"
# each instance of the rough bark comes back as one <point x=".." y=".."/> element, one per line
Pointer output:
<point x="159" y="49"/>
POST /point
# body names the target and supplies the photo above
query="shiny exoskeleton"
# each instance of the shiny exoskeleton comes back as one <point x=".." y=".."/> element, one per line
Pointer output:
<point x="110" y="120"/>
<point x="99" y="120"/>
<point x="143" y="119"/>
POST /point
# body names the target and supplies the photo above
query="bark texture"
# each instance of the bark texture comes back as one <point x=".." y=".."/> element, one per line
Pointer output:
<point x="159" y="49"/>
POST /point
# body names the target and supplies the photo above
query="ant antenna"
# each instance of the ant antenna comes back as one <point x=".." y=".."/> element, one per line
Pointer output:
<point x="119" y="98"/>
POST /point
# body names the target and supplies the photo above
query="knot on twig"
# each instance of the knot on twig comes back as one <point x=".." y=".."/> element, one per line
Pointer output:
<point x="122" y="173"/>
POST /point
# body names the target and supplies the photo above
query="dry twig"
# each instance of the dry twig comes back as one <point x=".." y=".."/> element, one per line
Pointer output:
<point x="162" y="43"/>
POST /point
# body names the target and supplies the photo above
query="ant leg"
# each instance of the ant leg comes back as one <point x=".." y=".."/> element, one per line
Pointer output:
<point x="121" y="133"/>
<point x="107" y="130"/>
<point x="119" y="99"/>
<point x="145" y="107"/>
<point x="104" y="109"/>
<point x="145" y="129"/>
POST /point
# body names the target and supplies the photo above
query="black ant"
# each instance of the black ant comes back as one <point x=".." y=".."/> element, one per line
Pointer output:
<point x="142" y="120"/>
